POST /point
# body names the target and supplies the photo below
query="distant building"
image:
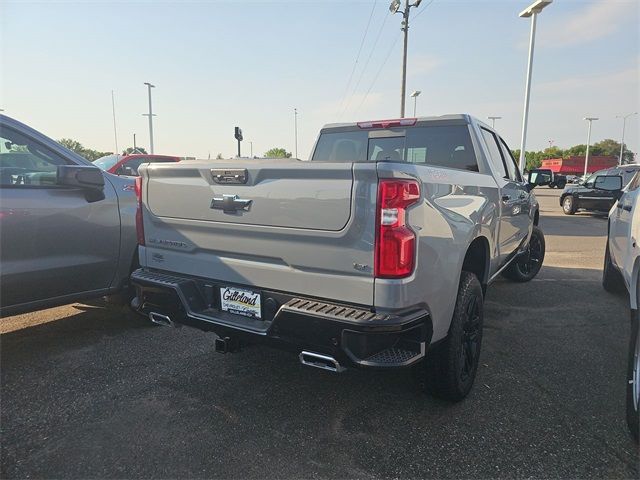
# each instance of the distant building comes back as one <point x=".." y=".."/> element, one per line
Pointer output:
<point x="575" y="165"/>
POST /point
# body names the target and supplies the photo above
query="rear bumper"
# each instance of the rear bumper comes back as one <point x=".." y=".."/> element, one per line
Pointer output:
<point x="353" y="335"/>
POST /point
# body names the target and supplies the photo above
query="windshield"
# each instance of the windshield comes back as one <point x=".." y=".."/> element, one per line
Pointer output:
<point x="108" y="161"/>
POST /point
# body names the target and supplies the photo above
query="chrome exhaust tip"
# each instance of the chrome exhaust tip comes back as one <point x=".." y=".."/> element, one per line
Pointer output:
<point x="160" y="319"/>
<point x="318" y="360"/>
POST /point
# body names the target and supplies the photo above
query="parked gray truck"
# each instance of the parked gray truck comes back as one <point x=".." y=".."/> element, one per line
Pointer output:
<point x="376" y="252"/>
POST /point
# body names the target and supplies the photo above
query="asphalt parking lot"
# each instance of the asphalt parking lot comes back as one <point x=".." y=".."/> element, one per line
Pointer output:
<point x="89" y="391"/>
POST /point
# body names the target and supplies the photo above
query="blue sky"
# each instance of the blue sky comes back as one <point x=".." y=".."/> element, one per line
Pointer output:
<point x="217" y="64"/>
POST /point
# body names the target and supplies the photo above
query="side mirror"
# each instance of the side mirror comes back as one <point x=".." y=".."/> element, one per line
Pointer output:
<point x="608" y="183"/>
<point x="80" y="176"/>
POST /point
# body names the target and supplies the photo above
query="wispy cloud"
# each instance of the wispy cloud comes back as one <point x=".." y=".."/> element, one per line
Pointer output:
<point x="594" y="21"/>
<point x="607" y="83"/>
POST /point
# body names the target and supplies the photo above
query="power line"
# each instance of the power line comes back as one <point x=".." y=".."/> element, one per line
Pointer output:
<point x="373" y="49"/>
<point x="387" y="57"/>
<point x="379" y="71"/>
<point x="422" y="11"/>
<point x="355" y="64"/>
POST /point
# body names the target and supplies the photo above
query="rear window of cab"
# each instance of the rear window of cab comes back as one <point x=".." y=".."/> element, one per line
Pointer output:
<point x="447" y="146"/>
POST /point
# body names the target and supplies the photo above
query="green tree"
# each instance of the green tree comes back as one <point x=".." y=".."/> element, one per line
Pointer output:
<point x="78" y="148"/>
<point x="131" y="150"/>
<point x="277" y="153"/>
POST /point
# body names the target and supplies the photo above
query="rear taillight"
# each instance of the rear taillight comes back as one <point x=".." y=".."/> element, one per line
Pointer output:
<point x="395" y="242"/>
<point x="139" y="224"/>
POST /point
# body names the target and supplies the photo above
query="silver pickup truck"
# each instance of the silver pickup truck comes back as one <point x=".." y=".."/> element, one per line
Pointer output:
<point x="374" y="253"/>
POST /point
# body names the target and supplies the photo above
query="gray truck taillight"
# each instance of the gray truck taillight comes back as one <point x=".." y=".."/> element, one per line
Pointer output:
<point x="395" y="242"/>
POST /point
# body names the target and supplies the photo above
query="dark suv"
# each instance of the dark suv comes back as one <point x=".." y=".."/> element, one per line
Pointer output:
<point x="599" y="191"/>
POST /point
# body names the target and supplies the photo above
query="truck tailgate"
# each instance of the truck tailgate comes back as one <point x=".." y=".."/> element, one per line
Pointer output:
<point x="286" y="225"/>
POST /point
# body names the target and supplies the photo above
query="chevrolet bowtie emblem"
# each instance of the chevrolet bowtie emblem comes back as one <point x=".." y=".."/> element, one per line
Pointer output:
<point x="230" y="203"/>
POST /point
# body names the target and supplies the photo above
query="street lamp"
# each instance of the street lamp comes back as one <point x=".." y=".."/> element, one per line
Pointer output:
<point x="624" y="124"/>
<point x="531" y="11"/>
<point x="395" y="8"/>
<point x="295" y="128"/>
<point x="415" y="100"/>
<point x="586" y="158"/>
<point x="493" y="121"/>
<point x="150" y="115"/>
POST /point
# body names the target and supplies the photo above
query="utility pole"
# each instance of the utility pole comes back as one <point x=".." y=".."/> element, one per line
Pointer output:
<point x="586" y="158"/>
<point x="251" y="148"/>
<point x="493" y="121"/>
<point x="295" y="129"/>
<point x="624" y="124"/>
<point x="115" y="131"/>
<point x="135" y="148"/>
<point x="150" y="115"/>
<point x="395" y="8"/>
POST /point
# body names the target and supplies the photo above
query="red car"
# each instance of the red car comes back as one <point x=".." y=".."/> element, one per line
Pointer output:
<point x="128" y="164"/>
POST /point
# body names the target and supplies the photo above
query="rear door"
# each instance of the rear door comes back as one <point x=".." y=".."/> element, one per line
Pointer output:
<point x="514" y="197"/>
<point x="620" y="227"/>
<point x="54" y="241"/>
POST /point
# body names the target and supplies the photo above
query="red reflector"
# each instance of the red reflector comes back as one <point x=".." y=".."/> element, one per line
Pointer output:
<point x="395" y="242"/>
<point x="139" y="223"/>
<point x="398" y="122"/>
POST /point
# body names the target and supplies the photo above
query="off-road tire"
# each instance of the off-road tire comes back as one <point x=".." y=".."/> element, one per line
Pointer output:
<point x="526" y="267"/>
<point x="569" y="205"/>
<point x="450" y="367"/>
<point x="611" y="277"/>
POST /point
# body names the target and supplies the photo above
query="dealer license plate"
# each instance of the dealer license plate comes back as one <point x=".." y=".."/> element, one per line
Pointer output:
<point x="240" y="301"/>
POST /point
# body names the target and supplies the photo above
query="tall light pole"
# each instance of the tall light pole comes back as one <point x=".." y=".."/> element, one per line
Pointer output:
<point x="295" y="128"/>
<point x="586" y="158"/>
<point x="531" y="11"/>
<point x="624" y="124"/>
<point x="135" y="147"/>
<point x="150" y="115"/>
<point x="493" y="121"/>
<point x="251" y="148"/>
<point x="414" y="95"/>
<point x="395" y="8"/>
<point x="115" y="131"/>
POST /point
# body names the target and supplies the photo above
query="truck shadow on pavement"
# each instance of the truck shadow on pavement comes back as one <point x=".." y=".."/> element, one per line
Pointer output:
<point x="102" y="394"/>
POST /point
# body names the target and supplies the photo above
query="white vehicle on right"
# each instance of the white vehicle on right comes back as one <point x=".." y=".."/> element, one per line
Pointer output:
<point x="622" y="270"/>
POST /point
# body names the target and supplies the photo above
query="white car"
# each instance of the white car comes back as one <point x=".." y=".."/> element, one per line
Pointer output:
<point x="622" y="270"/>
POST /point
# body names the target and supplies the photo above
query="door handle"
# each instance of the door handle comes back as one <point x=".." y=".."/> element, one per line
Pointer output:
<point x="618" y="205"/>
<point x="627" y="208"/>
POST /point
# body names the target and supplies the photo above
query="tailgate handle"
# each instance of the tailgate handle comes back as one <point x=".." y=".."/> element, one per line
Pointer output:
<point x="230" y="203"/>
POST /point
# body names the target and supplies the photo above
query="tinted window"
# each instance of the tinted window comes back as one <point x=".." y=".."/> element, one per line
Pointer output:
<point x="24" y="162"/>
<point x="635" y="182"/>
<point x="494" y="152"/>
<point x="443" y="146"/>
<point x="512" y="166"/>
<point x="609" y="182"/>
<point x="627" y="176"/>
<point x="341" y="147"/>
